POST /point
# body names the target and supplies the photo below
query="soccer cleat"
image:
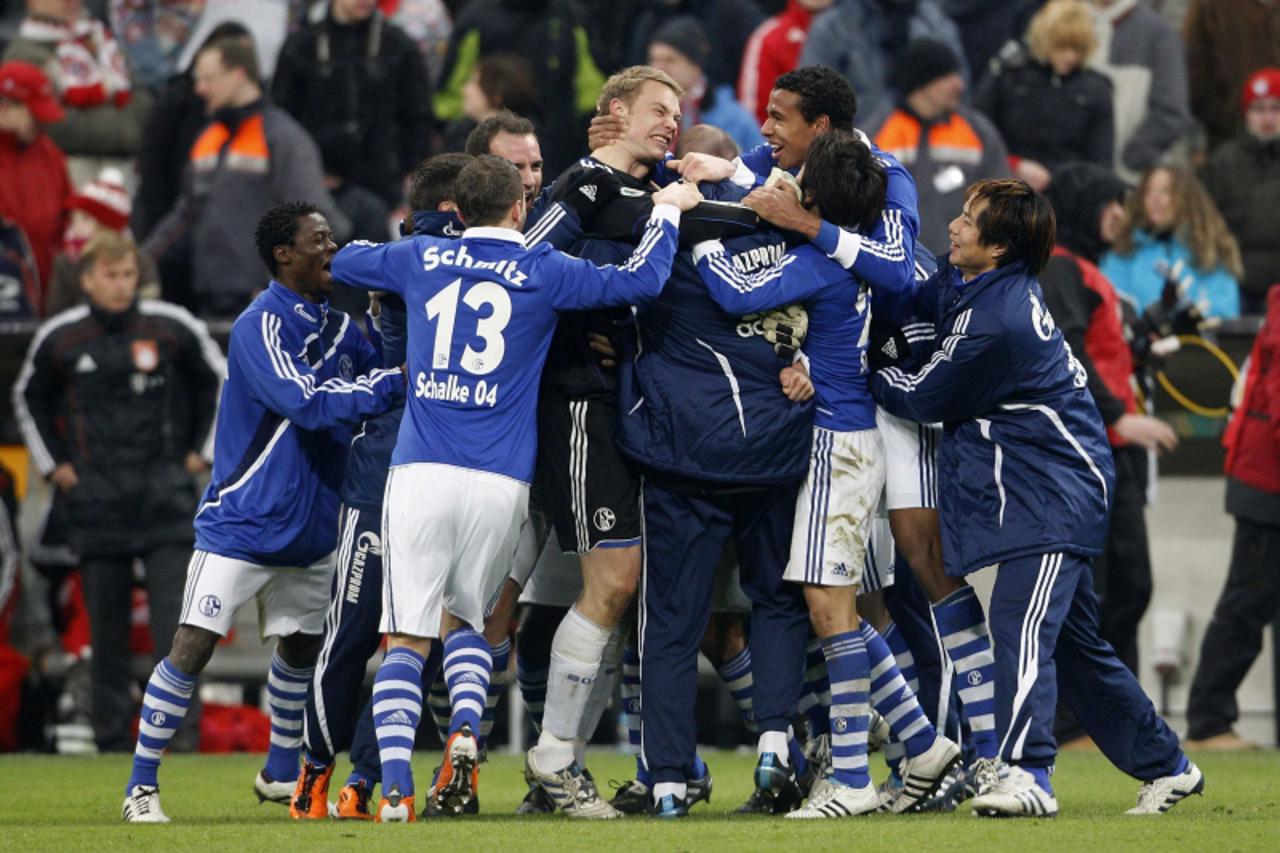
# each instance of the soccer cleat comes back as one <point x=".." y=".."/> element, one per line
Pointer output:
<point x="630" y="797"/>
<point x="572" y="790"/>
<point x="817" y="753"/>
<point x="922" y="775"/>
<point x="353" y="803"/>
<point x="950" y="793"/>
<point x="670" y="806"/>
<point x="537" y="801"/>
<point x="311" y="796"/>
<point x="776" y="792"/>
<point x="983" y="775"/>
<point x="459" y="777"/>
<point x="838" y="800"/>
<point x="395" y="808"/>
<point x="699" y="790"/>
<point x="1015" y="795"/>
<point x="269" y="790"/>
<point x="1160" y="795"/>
<point x="143" y="806"/>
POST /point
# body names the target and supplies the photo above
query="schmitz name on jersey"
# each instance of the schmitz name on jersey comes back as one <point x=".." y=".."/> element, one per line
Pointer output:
<point x="459" y="257"/>
<point x="455" y="390"/>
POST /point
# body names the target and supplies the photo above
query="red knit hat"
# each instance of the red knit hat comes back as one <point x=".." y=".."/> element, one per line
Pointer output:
<point x="105" y="199"/>
<point x="25" y="83"/>
<point x="1263" y="83"/>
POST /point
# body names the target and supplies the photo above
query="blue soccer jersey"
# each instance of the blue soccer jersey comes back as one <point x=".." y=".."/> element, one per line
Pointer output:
<point x="839" y="322"/>
<point x="481" y="314"/>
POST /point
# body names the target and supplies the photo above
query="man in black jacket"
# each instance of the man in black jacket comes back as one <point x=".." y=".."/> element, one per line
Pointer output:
<point x="116" y="401"/>
<point x="358" y="85"/>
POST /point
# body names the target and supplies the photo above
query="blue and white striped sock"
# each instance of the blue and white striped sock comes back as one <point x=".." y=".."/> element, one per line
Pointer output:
<point x="287" y="697"/>
<point x="397" y="708"/>
<point x="629" y="689"/>
<point x="736" y="675"/>
<point x="894" y="751"/>
<point x="849" y="673"/>
<point x="531" y="677"/>
<point x="501" y="655"/>
<point x="468" y="666"/>
<point x="962" y="625"/>
<point x="815" y="693"/>
<point x="163" y="706"/>
<point x="895" y="701"/>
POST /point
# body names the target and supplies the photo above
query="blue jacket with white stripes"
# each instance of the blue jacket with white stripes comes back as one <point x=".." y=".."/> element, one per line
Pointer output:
<point x="699" y="396"/>
<point x="299" y="378"/>
<point x="1026" y="466"/>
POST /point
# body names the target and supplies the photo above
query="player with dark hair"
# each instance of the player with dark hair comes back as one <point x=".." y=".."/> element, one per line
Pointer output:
<point x="351" y="634"/>
<point x="457" y="491"/>
<point x="512" y="138"/>
<point x="299" y="377"/>
<point x="1029" y="490"/>
<point x="831" y="534"/>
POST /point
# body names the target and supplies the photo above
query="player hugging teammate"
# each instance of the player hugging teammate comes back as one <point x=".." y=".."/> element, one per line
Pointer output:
<point x="767" y="416"/>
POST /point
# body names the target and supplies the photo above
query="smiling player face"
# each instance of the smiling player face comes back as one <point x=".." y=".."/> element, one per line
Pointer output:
<point x="654" y="122"/>
<point x="787" y="131"/>
<point x="311" y="253"/>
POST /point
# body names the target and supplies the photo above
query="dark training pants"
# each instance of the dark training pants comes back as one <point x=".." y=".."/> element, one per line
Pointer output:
<point x="684" y="535"/>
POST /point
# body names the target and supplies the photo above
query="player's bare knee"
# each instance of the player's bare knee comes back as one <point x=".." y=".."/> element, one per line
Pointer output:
<point x="300" y="650"/>
<point x="831" y="609"/>
<point x="192" y="648"/>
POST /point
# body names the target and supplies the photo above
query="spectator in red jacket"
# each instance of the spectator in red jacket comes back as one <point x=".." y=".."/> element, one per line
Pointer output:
<point x="34" y="187"/>
<point x="1251" y="595"/>
<point x="773" y="50"/>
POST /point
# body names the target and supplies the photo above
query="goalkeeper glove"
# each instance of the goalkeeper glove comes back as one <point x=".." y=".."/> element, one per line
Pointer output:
<point x="786" y="329"/>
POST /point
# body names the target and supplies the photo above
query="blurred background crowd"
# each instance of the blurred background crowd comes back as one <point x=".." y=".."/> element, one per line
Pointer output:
<point x="1153" y="126"/>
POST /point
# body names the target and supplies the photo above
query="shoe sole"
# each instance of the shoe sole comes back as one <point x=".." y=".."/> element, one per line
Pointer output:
<point x="930" y="791"/>
<point x="990" y="812"/>
<point x="456" y="790"/>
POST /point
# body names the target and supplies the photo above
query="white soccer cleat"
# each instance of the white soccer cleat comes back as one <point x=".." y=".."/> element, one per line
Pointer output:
<point x="269" y="790"/>
<point x="1015" y="795"/>
<point x="878" y="732"/>
<point x="1160" y="795"/>
<point x="572" y="790"/>
<point x="837" y="800"/>
<point x="888" y="791"/>
<point x="983" y="775"/>
<point x="922" y="775"/>
<point x="143" y="806"/>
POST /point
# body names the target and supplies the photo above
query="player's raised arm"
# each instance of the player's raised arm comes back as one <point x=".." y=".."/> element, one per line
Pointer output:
<point x="582" y="285"/>
<point x="377" y="266"/>
<point x="287" y="385"/>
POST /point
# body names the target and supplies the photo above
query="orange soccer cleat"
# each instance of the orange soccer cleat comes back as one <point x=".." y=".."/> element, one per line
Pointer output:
<point x="395" y="808"/>
<point x="311" y="797"/>
<point x="353" y="803"/>
<point x="459" y="773"/>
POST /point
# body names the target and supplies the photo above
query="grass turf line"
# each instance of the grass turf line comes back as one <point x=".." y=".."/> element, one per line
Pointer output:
<point x="73" y="803"/>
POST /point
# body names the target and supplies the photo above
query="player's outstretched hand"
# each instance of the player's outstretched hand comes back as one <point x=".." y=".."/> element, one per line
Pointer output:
<point x="796" y="384"/>
<point x="606" y="130"/>
<point x="1148" y="432"/>
<point x="682" y="194"/>
<point x="779" y="207"/>
<point x="699" y="167"/>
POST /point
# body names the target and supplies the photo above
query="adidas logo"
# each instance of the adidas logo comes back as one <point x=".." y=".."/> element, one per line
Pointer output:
<point x="589" y="191"/>
<point x="890" y="348"/>
<point x="397" y="718"/>
<point x="86" y="364"/>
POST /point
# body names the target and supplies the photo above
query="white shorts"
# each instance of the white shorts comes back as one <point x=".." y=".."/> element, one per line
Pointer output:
<point x="834" y="510"/>
<point x="911" y="461"/>
<point x="533" y="538"/>
<point x="449" y="536"/>
<point x="557" y="578"/>
<point x="290" y="600"/>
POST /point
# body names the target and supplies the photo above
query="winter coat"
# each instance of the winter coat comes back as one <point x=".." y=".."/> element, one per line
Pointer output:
<point x="1243" y="176"/>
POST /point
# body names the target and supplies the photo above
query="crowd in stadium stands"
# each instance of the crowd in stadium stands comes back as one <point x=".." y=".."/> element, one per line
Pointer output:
<point x="1153" y="127"/>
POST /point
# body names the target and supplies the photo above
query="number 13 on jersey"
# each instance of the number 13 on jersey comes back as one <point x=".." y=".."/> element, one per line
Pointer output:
<point x="443" y="308"/>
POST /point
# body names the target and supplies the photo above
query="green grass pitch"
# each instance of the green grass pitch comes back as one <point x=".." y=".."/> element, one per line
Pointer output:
<point x="69" y="803"/>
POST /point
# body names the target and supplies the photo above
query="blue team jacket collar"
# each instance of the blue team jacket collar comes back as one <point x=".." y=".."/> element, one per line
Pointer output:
<point x="313" y="313"/>
<point x="437" y="223"/>
<point x="487" y="232"/>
